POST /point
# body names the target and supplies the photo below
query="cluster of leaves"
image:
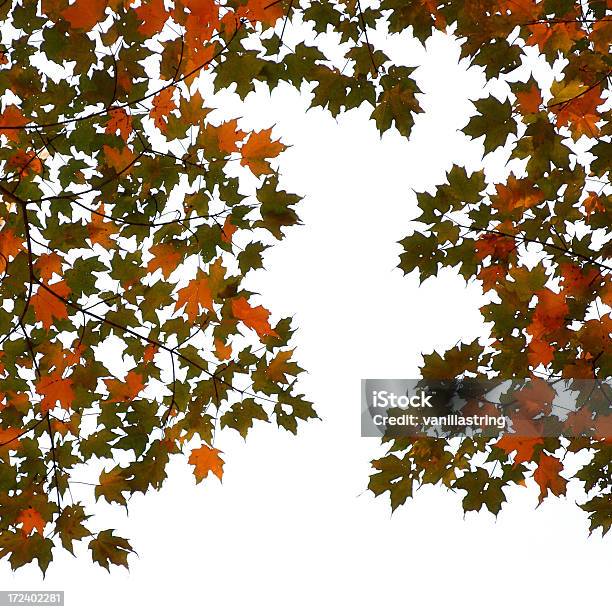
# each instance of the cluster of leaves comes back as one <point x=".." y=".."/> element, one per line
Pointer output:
<point x="124" y="204"/>
<point x="129" y="219"/>
<point x="539" y="243"/>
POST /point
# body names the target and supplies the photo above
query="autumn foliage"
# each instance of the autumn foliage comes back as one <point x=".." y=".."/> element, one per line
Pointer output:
<point x="131" y="211"/>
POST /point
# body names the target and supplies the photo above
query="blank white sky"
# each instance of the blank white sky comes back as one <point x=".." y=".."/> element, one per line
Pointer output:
<point x="292" y="526"/>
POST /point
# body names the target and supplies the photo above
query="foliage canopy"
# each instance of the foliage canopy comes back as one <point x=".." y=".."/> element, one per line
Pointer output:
<point x="131" y="213"/>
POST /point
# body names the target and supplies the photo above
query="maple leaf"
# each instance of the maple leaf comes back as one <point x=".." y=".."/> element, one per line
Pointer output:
<point x="204" y="13"/>
<point x="30" y="519"/>
<point x="540" y="352"/>
<point x="119" y="121"/>
<point x="279" y="367"/>
<point x="530" y="101"/>
<point x="228" y="136"/>
<point x="12" y="115"/>
<point x="578" y="281"/>
<point x="491" y="275"/>
<point x="163" y="105"/>
<point x="150" y="352"/>
<point x="47" y="306"/>
<point x="121" y="161"/>
<point x="100" y="229"/>
<point x="9" y="438"/>
<point x="257" y="149"/>
<point x="593" y="204"/>
<point x="534" y="398"/>
<point x="228" y="230"/>
<point x="263" y="11"/>
<point x="241" y="416"/>
<point x="523" y="446"/>
<point x="112" y="485"/>
<point x="549" y="313"/>
<point x="494" y="245"/>
<point x="26" y="162"/>
<point x="54" y="390"/>
<point x="254" y="317"/>
<point x="47" y="265"/>
<point x="107" y="548"/>
<point x="580" y="110"/>
<point x="125" y="391"/>
<point x="84" y="14"/>
<point x="517" y="194"/>
<point x="205" y="460"/>
<point x="195" y="295"/>
<point x="548" y="477"/>
<point x="222" y="351"/>
<point x="152" y="16"/>
<point x="10" y="246"/>
<point x="166" y="258"/>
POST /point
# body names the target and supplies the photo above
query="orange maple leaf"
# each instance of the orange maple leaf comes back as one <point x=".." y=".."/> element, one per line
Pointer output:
<point x="229" y="135"/>
<point x="523" y="446"/>
<point x="124" y="391"/>
<point x="535" y="398"/>
<point x="578" y="281"/>
<point x="517" y="193"/>
<point x="195" y="295"/>
<point x="100" y="229"/>
<point x="254" y="317"/>
<point x="548" y="477"/>
<point x="152" y="16"/>
<point x="491" y="275"/>
<point x="580" y="113"/>
<point x="163" y="105"/>
<point x="222" y="351"/>
<point x="530" y="101"/>
<point x="498" y="247"/>
<point x="119" y="121"/>
<point x="228" y="230"/>
<point x="593" y="204"/>
<point x="10" y="246"/>
<point x="84" y="14"/>
<point x="47" y="306"/>
<point x="257" y="149"/>
<point x="48" y="265"/>
<point x="25" y="162"/>
<point x="150" y="352"/>
<point x="540" y="352"/>
<point x="12" y="116"/>
<point x="203" y="13"/>
<point x="549" y="313"/>
<point x="165" y="257"/>
<point x="54" y="390"/>
<point x="205" y="460"/>
<point x="261" y="10"/>
<point x="30" y="519"/>
<point x="9" y="438"/>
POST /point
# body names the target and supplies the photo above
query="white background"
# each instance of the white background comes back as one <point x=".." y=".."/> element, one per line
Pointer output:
<point x="293" y="527"/>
